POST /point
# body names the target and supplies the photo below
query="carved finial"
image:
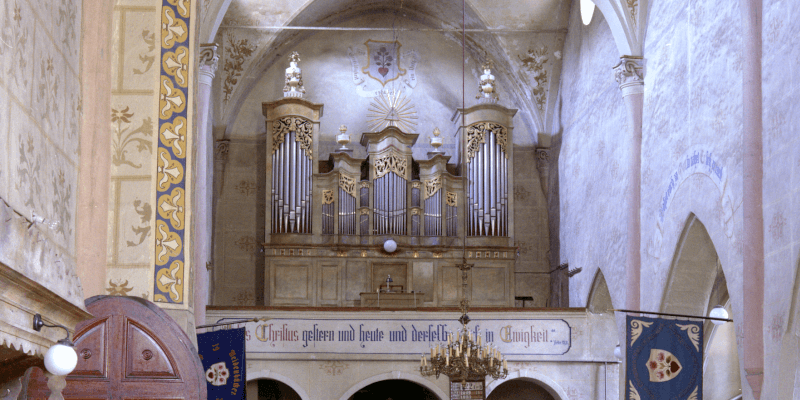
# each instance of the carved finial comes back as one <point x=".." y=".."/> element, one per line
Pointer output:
<point x="486" y="89"/>
<point x="343" y="139"/>
<point x="436" y="140"/>
<point x="294" y="78"/>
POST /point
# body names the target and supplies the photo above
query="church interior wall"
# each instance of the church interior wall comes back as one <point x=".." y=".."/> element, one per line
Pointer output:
<point x="40" y="127"/>
<point x="591" y="166"/>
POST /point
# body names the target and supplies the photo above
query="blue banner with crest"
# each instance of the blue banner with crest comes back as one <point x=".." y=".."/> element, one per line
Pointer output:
<point x="664" y="359"/>
<point x="222" y="354"/>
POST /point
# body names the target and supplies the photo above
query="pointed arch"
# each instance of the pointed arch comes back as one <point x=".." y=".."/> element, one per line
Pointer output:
<point x="599" y="296"/>
<point x="693" y="272"/>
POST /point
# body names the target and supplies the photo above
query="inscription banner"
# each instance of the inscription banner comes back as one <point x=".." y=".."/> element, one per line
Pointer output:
<point x="406" y="336"/>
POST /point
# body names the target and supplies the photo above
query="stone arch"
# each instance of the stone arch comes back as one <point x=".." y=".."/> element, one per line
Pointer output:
<point x="545" y="382"/>
<point x="267" y="374"/>
<point x="599" y="297"/>
<point x="619" y="21"/>
<point x="694" y="269"/>
<point x="395" y="375"/>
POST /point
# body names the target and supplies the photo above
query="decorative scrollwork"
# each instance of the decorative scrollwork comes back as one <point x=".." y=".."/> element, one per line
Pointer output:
<point x="452" y="199"/>
<point x="415" y="185"/>
<point x="327" y="196"/>
<point x="348" y="184"/>
<point x="476" y="135"/>
<point x="392" y="162"/>
<point x="302" y="129"/>
<point x="636" y="329"/>
<point x="432" y="186"/>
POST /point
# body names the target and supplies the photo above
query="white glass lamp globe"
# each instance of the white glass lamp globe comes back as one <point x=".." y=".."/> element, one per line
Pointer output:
<point x="718" y="312"/>
<point x="390" y="246"/>
<point x="618" y="352"/>
<point x="60" y="359"/>
<point x="587" y="9"/>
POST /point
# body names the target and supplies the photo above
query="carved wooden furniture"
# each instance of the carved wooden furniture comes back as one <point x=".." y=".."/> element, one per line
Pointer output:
<point x="130" y="350"/>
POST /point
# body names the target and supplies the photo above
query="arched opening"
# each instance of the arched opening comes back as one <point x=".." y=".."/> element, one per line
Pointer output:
<point x="395" y="389"/>
<point x="695" y="286"/>
<point x="519" y="389"/>
<point x="270" y="389"/>
<point x="599" y="297"/>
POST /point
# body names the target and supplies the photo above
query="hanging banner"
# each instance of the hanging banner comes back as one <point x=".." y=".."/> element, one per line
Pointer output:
<point x="664" y="359"/>
<point x="222" y="354"/>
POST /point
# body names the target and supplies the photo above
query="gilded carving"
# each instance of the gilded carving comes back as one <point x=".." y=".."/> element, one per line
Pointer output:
<point x="348" y="184"/>
<point x="432" y="186"/>
<point x="395" y="109"/>
<point x="302" y="129"/>
<point x="327" y="197"/>
<point x="365" y="184"/>
<point x="238" y="52"/>
<point x="535" y="63"/>
<point x="476" y="135"/>
<point x="452" y="199"/>
<point x="416" y="185"/>
<point x="392" y="162"/>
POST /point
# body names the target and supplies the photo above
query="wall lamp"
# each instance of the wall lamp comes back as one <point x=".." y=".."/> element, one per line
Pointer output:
<point x="61" y="358"/>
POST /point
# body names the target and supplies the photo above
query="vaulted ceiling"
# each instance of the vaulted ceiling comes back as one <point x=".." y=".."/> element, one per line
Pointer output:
<point x="523" y="38"/>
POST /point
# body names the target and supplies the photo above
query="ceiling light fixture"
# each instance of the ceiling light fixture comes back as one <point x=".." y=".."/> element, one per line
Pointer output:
<point x="718" y="312"/>
<point x="587" y="10"/>
<point x="61" y="358"/>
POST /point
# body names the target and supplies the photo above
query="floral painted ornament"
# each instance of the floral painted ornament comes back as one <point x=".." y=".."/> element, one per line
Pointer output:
<point x="662" y="365"/>
<point x="218" y="374"/>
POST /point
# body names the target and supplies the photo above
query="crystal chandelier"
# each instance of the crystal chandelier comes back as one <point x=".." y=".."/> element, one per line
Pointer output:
<point x="462" y="358"/>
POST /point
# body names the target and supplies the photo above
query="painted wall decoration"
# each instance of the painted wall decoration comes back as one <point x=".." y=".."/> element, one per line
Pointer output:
<point x="513" y="337"/>
<point x="172" y="159"/>
<point x="386" y="71"/>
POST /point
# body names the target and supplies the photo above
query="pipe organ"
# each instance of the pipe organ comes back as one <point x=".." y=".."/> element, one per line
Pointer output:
<point x="428" y="206"/>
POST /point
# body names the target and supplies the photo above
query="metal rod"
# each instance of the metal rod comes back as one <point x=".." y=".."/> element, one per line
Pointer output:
<point x="355" y="29"/>
<point x="671" y="315"/>
<point x="238" y="321"/>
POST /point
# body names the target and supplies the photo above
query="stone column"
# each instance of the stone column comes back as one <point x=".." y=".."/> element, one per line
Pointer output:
<point x="753" y="223"/>
<point x="629" y="73"/>
<point x="204" y="161"/>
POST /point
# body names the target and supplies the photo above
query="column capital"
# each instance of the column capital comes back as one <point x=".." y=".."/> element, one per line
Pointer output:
<point x="209" y="57"/>
<point x="629" y="73"/>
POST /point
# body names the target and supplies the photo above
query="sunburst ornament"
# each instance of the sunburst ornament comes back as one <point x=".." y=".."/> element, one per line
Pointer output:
<point x="392" y="109"/>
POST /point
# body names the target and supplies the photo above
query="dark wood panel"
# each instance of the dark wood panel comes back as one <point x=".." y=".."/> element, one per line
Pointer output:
<point x="144" y="355"/>
<point x="91" y="347"/>
<point x="131" y="350"/>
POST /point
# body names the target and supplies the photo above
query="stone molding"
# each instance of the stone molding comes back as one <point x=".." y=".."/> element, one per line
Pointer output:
<point x="24" y="297"/>
<point x="629" y="74"/>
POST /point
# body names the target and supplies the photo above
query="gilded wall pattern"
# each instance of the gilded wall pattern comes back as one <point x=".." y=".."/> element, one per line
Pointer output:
<point x="172" y="166"/>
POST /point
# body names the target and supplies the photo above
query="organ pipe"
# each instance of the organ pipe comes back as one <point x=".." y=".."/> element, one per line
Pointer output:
<point x="291" y="175"/>
<point x="488" y="181"/>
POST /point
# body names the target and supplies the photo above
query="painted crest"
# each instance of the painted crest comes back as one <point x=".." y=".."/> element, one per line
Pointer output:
<point x="662" y="365"/>
<point x="217" y="374"/>
<point x="383" y="63"/>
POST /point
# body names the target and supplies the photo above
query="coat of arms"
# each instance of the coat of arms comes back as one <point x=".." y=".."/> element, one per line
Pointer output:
<point x="383" y="64"/>
<point x="384" y="67"/>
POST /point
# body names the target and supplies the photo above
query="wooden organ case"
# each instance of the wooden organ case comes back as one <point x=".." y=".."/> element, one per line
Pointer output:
<point x="326" y="230"/>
